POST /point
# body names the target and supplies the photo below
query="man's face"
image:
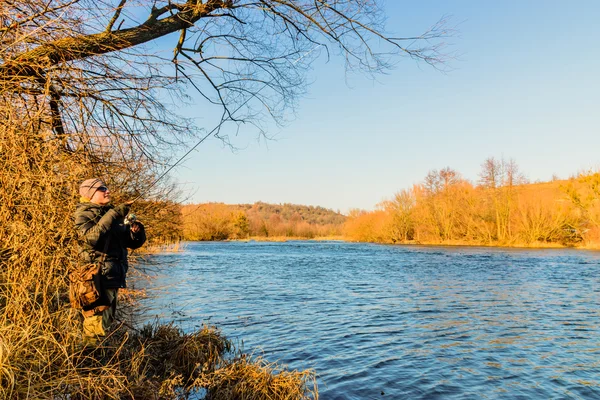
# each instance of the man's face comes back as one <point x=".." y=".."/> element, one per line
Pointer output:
<point x="101" y="196"/>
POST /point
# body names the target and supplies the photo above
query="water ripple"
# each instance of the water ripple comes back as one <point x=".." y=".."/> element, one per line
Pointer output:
<point x="389" y="322"/>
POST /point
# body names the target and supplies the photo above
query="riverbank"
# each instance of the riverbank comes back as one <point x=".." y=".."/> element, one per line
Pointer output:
<point x="280" y="239"/>
<point x="459" y="243"/>
<point x="452" y="243"/>
<point x="533" y="245"/>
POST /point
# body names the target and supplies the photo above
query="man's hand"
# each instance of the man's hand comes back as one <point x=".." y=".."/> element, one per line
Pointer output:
<point x="135" y="227"/>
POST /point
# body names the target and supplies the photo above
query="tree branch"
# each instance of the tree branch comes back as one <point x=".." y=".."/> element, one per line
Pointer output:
<point x="33" y="62"/>
<point x="116" y="16"/>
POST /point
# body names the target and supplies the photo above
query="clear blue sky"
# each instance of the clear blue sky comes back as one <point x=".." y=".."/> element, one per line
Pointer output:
<point x="526" y="86"/>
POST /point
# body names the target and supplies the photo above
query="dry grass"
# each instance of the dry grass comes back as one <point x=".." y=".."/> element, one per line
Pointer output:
<point x="41" y="356"/>
<point x="256" y="379"/>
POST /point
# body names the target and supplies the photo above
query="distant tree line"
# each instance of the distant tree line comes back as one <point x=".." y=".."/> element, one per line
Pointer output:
<point x="502" y="208"/>
<point x="218" y="221"/>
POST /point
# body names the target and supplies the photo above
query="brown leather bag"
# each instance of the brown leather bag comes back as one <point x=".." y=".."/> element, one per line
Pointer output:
<point x="86" y="291"/>
<point x="86" y="287"/>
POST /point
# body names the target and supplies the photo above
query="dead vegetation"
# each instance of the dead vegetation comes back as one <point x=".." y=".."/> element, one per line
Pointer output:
<point x="255" y="379"/>
<point x="40" y="349"/>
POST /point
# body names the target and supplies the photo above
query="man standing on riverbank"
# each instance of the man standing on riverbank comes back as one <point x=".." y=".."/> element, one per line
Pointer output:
<point x="105" y="238"/>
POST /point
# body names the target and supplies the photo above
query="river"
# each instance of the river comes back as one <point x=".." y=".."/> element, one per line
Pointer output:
<point x="395" y="322"/>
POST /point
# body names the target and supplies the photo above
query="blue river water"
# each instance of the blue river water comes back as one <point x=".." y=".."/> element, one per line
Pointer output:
<point x="396" y="322"/>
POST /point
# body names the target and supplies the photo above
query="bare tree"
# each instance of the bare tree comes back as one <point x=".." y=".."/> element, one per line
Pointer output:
<point x="436" y="181"/>
<point x="491" y="173"/>
<point x="84" y="62"/>
<point x="499" y="177"/>
<point x="513" y="175"/>
<point x="496" y="173"/>
<point x="400" y="209"/>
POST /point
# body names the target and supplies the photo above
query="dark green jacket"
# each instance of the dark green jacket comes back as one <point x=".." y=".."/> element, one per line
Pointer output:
<point x="103" y="232"/>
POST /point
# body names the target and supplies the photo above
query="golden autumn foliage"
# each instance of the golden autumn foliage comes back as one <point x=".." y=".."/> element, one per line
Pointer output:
<point x="368" y="226"/>
<point x="213" y="221"/>
<point x="218" y="221"/>
<point x="446" y="209"/>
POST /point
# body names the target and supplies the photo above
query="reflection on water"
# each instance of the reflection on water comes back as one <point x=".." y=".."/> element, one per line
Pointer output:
<point x="389" y="322"/>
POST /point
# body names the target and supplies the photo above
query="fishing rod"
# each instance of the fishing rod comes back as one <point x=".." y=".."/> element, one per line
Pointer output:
<point x="182" y="157"/>
<point x="140" y="194"/>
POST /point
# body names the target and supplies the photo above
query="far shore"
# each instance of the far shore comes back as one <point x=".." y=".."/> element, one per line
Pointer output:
<point x="289" y="239"/>
<point x="179" y="246"/>
<point x="533" y="245"/>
